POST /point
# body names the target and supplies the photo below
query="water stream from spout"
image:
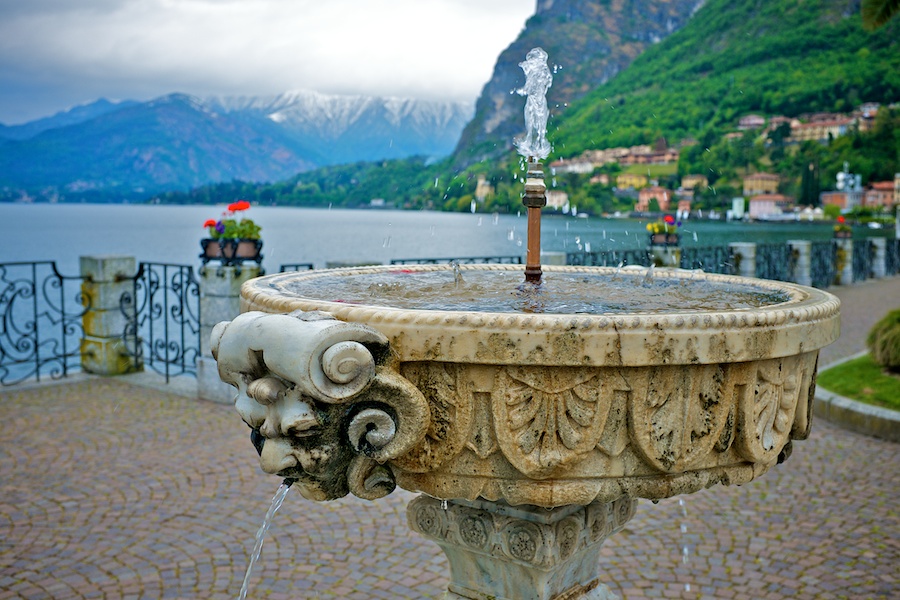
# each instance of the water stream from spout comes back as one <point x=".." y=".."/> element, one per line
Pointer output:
<point x="277" y="501"/>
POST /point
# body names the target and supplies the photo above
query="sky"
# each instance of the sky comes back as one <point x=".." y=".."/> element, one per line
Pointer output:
<point x="56" y="54"/>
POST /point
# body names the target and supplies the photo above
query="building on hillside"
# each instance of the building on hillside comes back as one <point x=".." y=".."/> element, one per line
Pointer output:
<point x="602" y="179"/>
<point x="557" y="199"/>
<point x="662" y="196"/>
<point x="770" y="206"/>
<point x="684" y="208"/>
<point x="689" y="182"/>
<point x="820" y="131"/>
<point x="579" y="165"/>
<point x="483" y="189"/>
<point x="760" y="183"/>
<point x="843" y="199"/>
<point x="749" y="122"/>
<point x="663" y="157"/>
<point x="631" y="180"/>
<point x="777" y="121"/>
<point x="879" y="194"/>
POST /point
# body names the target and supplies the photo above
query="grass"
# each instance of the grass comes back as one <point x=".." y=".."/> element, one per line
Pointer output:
<point x="652" y="171"/>
<point x="861" y="379"/>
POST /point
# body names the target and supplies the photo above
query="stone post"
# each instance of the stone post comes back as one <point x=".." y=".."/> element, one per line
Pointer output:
<point x="844" y="266"/>
<point x="744" y="258"/>
<point x="500" y="551"/>
<point x="802" y="250"/>
<point x="220" y="300"/>
<point x="879" y="269"/>
<point x="105" y="349"/>
<point x="665" y="255"/>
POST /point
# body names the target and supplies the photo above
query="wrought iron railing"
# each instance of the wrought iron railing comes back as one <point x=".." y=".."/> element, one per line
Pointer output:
<point x="163" y="319"/>
<point x="775" y="261"/>
<point x="465" y="260"/>
<point x="823" y="263"/>
<point x="863" y="258"/>
<point x="41" y="327"/>
<point x="610" y="258"/>
<point x="296" y="267"/>
<point x="892" y="257"/>
<point x="710" y="259"/>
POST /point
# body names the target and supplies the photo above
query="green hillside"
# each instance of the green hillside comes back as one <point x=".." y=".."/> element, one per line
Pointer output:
<point x="779" y="57"/>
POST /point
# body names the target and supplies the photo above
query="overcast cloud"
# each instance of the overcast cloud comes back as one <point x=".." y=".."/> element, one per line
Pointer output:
<point x="55" y="54"/>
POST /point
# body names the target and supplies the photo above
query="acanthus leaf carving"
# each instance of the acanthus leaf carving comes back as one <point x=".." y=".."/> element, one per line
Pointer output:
<point x="677" y="415"/>
<point x="547" y="419"/>
<point x="767" y="409"/>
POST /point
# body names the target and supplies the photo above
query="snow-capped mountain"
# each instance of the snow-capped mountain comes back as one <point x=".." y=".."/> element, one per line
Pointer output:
<point x="177" y="142"/>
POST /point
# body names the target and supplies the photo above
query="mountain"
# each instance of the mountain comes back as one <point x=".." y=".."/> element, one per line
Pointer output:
<point x="589" y="42"/>
<point x="111" y="152"/>
<point x="73" y="116"/>
<point x="779" y="57"/>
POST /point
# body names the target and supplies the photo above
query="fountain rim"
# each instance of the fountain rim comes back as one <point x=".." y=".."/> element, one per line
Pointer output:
<point x="764" y="332"/>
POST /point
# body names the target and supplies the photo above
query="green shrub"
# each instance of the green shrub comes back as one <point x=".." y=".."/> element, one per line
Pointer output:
<point x="884" y="341"/>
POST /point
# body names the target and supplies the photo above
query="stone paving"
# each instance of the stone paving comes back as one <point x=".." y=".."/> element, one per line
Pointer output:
<point x="109" y="490"/>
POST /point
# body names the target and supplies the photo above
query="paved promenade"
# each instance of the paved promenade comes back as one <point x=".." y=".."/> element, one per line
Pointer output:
<point x="111" y="490"/>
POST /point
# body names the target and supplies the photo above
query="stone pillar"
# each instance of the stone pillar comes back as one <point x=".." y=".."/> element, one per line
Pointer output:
<point x="802" y="250"/>
<point x="744" y="258"/>
<point x="512" y="552"/>
<point x="220" y="300"/>
<point x="105" y="349"/>
<point x="879" y="269"/>
<point x="844" y="266"/>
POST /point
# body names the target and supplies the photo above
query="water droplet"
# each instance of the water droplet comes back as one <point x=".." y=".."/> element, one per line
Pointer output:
<point x="444" y="502"/>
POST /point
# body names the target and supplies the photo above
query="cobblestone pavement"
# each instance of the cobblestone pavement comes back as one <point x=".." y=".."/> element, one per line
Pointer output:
<point x="108" y="490"/>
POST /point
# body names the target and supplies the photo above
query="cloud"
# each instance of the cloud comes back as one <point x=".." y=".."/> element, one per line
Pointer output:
<point x="58" y="50"/>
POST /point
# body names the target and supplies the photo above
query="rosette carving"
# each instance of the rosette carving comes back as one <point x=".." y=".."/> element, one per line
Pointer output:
<point x="678" y="414"/>
<point x="547" y="419"/>
<point x="322" y="408"/>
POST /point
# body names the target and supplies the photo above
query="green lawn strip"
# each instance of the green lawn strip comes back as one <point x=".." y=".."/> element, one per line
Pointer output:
<point x="861" y="379"/>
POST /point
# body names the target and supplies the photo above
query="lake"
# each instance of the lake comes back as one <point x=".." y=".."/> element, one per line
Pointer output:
<point x="63" y="232"/>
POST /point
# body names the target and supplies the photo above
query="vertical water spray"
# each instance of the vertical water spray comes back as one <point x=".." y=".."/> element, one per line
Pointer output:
<point x="535" y="147"/>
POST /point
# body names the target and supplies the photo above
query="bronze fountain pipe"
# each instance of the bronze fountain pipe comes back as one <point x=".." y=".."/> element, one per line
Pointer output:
<point x="534" y="199"/>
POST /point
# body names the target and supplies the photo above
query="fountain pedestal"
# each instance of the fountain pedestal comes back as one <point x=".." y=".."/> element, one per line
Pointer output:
<point x="539" y="430"/>
<point x="508" y="553"/>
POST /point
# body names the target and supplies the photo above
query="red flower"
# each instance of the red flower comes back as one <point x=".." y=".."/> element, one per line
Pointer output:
<point x="239" y="205"/>
<point x="669" y="219"/>
<point x="841" y="219"/>
<point x="210" y="223"/>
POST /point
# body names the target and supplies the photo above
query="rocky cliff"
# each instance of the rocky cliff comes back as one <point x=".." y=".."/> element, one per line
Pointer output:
<point x="589" y="42"/>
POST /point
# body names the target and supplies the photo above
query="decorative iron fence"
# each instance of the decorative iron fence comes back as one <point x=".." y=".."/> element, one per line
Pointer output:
<point x="296" y="267"/>
<point x="892" y="257"/>
<point x="610" y="258"/>
<point x="863" y="259"/>
<point x="823" y="263"/>
<point x="469" y="260"/>
<point x="163" y="319"/>
<point x="775" y="261"/>
<point x="40" y="322"/>
<point x="710" y="259"/>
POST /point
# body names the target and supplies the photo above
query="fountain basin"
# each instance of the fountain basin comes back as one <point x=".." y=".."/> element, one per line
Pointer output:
<point x="547" y="410"/>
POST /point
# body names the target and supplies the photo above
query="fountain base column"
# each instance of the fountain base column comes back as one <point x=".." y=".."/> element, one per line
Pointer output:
<point x="503" y="552"/>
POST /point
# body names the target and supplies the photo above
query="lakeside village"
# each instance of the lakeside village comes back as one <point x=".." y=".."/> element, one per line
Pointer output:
<point x="760" y="199"/>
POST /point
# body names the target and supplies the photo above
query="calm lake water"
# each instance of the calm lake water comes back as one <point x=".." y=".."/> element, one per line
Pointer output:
<point x="172" y="234"/>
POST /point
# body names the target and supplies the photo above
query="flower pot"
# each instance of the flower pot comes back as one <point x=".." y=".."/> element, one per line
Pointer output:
<point x="843" y="234"/>
<point x="231" y="251"/>
<point x="664" y="239"/>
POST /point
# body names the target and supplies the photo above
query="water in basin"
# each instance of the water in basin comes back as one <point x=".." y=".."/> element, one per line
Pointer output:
<point x="486" y="290"/>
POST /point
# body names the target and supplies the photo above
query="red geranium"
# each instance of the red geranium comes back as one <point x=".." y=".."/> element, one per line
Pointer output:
<point x="210" y="223"/>
<point x="238" y="206"/>
<point x="669" y="219"/>
<point x="841" y="219"/>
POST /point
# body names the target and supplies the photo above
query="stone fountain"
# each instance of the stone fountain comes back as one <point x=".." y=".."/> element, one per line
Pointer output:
<point x="530" y="433"/>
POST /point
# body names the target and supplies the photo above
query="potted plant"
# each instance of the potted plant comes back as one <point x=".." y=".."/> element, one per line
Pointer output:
<point x="232" y="239"/>
<point x="842" y="230"/>
<point x="664" y="232"/>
